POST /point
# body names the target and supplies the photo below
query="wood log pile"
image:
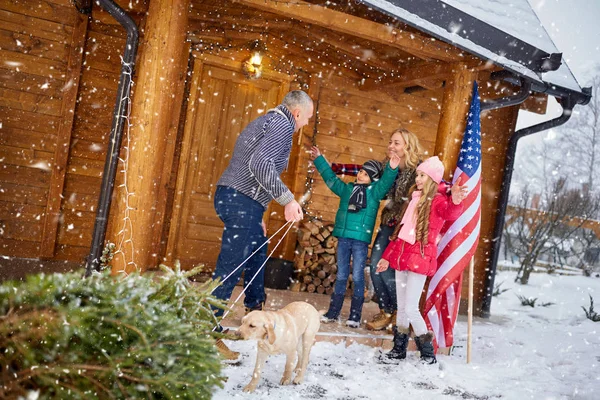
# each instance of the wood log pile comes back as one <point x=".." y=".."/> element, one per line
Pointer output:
<point x="315" y="261"/>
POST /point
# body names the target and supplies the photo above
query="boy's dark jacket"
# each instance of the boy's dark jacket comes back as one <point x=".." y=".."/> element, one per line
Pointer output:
<point x="356" y="225"/>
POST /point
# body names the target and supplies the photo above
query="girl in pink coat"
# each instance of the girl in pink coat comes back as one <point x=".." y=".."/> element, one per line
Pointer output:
<point x="413" y="253"/>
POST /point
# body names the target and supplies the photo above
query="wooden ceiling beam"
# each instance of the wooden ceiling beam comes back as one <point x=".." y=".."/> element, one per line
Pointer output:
<point x="366" y="56"/>
<point x="418" y="45"/>
<point x="410" y="75"/>
<point x="417" y="74"/>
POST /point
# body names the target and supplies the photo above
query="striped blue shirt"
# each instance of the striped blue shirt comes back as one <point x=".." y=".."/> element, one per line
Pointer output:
<point x="260" y="155"/>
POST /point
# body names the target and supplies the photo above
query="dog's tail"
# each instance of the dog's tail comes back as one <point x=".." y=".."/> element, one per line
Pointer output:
<point x="322" y="312"/>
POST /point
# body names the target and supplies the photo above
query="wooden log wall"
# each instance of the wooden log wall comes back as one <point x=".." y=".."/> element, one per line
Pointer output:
<point x="93" y="117"/>
<point x="57" y="92"/>
<point x="40" y="49"/>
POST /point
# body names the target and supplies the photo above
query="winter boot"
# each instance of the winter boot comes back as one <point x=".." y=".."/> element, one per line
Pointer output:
<point x="398" y="352"/>
<point x="425" y="346"/>
<point x="335" y="307"/>
<point x="380" y="321"/>
<point x="258" y="307"/>
<point x="390" y="327"/>
<point x="355" y="312"/>
<point x="229" y="356"/>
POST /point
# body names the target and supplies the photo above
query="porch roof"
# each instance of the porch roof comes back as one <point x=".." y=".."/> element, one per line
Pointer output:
<point x="505" y="32"/>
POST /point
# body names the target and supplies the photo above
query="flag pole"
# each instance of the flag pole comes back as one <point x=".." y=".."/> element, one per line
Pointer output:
<point x="470" y="309"/>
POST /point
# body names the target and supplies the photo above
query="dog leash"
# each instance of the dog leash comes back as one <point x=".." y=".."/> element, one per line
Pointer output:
<point x="290" y="223"/>
<point x="255" y="251"/>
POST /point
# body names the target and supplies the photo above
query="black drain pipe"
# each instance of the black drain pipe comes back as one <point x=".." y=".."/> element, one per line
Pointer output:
<point x="508" y="101"/>
<point x="567" y="103"/>
<point x="116" y="134"/>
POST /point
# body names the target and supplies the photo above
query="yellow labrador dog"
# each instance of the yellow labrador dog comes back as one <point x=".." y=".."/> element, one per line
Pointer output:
<point x="290" y="331"/>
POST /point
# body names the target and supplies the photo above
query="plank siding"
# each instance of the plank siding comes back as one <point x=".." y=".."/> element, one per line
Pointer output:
<point x="90" y="136"/>
<point x="35" y="45"/>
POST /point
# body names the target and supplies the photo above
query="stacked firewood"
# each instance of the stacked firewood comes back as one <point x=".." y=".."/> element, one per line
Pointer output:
<point x="315" y="260"/>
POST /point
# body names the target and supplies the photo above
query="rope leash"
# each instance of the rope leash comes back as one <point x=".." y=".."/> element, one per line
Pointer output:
<point x="261" y="267"/>
<point x="289" y="224"/>
<point x="255" y="251"/>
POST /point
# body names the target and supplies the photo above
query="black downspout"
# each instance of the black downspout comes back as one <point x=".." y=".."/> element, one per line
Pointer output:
<point x="116" y="134"/>
<point x="508" y="101"/>
<point x="568" y="103"/>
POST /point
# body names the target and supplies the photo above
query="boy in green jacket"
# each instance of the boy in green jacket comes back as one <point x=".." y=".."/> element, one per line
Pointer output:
<point x="354" y="223"/>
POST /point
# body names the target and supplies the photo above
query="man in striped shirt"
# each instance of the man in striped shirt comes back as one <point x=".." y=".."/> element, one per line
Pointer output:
<point x="249" y="183"/>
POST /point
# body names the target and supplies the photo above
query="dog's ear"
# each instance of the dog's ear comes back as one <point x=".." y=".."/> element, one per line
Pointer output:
<point x="270" y="332"/>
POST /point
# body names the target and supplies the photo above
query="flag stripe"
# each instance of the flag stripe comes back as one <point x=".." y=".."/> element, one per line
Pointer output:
<point x="462" y="251"/>
<point x="471" y="208"/>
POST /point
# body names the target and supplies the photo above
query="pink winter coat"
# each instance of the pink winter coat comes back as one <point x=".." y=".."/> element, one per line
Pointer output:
<point x="404" y="256"/>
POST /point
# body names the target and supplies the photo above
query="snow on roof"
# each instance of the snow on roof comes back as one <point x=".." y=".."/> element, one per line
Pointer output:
<point x="499" y="14"/>
<point x="502" y="14"/>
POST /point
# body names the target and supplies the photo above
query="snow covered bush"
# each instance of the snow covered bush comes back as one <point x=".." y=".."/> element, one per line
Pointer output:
<point x="64" y="337"/>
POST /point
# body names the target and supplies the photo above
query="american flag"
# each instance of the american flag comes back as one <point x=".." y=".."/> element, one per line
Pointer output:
<point x="458" y="238"/>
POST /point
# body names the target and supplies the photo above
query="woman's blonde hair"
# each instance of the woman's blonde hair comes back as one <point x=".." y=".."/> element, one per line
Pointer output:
<point x="430" y="189"/>
<point x="413" y="149"/>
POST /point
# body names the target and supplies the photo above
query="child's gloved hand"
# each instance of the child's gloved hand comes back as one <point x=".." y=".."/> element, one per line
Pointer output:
<point x="382" y="265"/>
<point x="394" y="161"/>
<point x="314" y="152"/>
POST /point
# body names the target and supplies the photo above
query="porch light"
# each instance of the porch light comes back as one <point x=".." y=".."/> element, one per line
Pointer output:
<point x="252" y="67"/>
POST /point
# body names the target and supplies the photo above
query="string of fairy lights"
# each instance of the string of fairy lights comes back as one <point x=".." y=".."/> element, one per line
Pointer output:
<point x="126" y="233"/>
<point x="306" y="199"/>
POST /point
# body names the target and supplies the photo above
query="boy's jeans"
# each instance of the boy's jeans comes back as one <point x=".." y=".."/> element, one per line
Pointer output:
<point x="384" y="282"/>
<point x="357" y="250"/>
<point x="242" y="235"/>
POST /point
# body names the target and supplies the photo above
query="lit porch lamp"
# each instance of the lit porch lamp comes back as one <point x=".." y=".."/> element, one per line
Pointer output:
<point x="252" y="67"/>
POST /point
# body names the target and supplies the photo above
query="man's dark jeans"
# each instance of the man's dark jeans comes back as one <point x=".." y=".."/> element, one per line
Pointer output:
<point x="242" y="235"/>
<point x="383" y="282"/>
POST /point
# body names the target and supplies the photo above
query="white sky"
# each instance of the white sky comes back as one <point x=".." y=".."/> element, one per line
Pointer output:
<point x="573" y="25"/>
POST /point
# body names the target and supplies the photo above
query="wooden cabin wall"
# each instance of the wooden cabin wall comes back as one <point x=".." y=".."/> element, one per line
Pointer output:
<point x="89" y="142"/>
<point x="40" y="49"/>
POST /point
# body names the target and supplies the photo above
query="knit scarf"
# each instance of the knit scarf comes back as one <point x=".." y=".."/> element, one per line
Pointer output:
<point x="408" y="231"/>
<point x="358" y="197"/>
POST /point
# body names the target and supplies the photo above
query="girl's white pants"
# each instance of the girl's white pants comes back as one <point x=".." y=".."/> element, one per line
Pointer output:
<point x="409" y="286"/>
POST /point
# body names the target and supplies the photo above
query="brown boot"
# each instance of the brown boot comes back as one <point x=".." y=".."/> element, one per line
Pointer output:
<point x="390" y="328"/>
<point x="255" y="308"/>
<point x="380" y="321"/>
<point x="228" y="355"/>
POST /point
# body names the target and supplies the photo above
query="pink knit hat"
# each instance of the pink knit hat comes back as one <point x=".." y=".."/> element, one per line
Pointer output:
<point x="433" y="167"/>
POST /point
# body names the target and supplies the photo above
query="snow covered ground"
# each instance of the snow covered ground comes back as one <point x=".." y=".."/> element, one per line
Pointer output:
<point x="521" y="352"/>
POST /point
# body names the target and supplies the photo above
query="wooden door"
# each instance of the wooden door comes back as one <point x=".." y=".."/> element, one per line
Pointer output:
<point x="222" y="102"/>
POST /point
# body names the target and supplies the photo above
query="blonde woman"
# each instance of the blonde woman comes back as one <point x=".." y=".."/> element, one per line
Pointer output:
<point x="406" y="145"/>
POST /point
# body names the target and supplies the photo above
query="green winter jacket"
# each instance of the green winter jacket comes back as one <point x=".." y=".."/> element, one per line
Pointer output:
<point x="356" y="225"/>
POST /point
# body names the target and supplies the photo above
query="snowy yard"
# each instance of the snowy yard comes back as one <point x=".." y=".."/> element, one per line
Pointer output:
<point x="520" y="353"/>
